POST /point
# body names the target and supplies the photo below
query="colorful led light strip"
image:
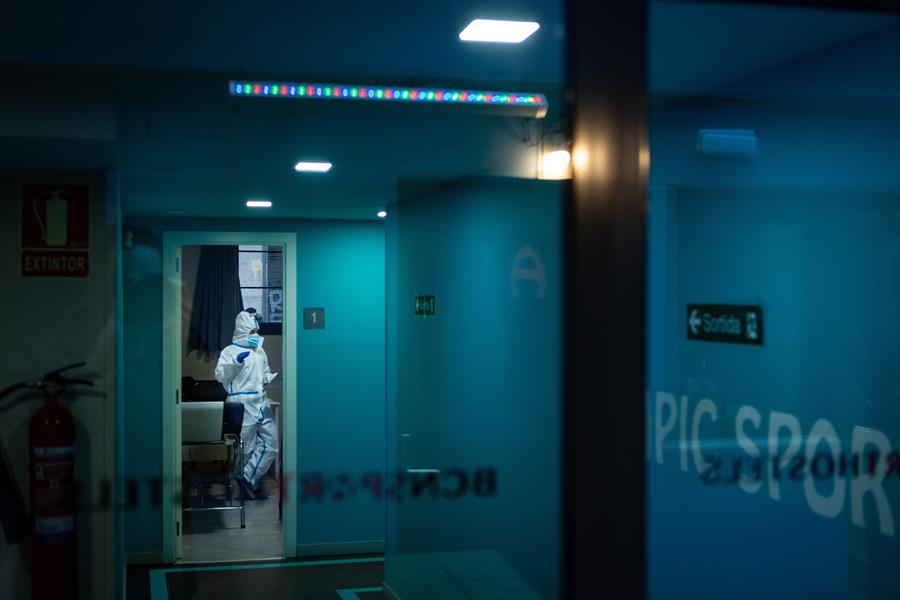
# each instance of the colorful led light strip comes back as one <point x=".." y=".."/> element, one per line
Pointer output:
<point x="381" y="93"/>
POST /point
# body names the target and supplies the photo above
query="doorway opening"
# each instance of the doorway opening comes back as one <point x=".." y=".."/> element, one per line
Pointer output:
<point x="226" y="448"/>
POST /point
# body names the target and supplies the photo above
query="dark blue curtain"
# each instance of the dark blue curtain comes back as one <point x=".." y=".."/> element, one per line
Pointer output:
<point x="217" y="299"/>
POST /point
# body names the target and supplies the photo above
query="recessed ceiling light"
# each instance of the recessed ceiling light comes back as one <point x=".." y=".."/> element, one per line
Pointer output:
<point x="382" y="214"/>
<point x="504" y="32"/>
<point x="259" y="204"/>
<point x="312" y="167"/>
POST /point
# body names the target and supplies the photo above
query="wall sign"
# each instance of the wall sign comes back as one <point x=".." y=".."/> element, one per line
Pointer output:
<point x="425" y="306"/>
<point x="55" y="230"/>
<point x="313" y="318"/>
<point x="731" y="323"/>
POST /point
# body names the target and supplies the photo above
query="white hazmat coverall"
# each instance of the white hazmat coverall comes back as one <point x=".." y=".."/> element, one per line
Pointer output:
<point x="244" y="372"/>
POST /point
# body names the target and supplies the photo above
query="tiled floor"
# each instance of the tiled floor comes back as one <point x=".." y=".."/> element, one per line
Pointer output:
<point x="217" y="535"/>
<point x="295" y="582"/>
<point x="323" y="578"/>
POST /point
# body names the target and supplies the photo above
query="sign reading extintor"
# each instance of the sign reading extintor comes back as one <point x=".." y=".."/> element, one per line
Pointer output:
<point x="733" y="323"/>
<point x="55" y="230"/>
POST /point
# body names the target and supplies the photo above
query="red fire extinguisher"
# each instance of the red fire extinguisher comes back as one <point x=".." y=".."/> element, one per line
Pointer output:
<point x="51" y="449"/>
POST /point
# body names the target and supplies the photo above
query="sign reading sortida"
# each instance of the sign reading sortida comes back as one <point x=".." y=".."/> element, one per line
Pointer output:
<point x="731" y="323"/>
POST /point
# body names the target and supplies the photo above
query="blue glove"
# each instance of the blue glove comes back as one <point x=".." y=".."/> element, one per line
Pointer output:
<point x="242" y="356"/>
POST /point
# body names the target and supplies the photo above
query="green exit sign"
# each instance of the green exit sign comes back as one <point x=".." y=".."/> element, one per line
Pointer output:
<point x="425" y="306"/>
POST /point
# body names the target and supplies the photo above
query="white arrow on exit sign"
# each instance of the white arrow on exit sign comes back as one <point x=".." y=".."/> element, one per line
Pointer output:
<point x="694" y="321"/>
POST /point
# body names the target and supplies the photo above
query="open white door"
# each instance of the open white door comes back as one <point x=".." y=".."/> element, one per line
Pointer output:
<point x="173" y="241"/>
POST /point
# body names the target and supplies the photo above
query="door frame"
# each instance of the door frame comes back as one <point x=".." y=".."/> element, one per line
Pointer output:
<point x="173" y="241"/>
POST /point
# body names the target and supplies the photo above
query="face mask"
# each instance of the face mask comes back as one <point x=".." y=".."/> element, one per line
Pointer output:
<point x="253" y="340"/>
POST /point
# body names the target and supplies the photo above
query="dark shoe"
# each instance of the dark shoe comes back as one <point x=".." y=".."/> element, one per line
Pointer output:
<point x="261" y="494"/>
<point x="247" y="490"/>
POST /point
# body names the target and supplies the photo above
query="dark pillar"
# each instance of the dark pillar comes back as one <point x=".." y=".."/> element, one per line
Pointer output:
<point x="604" y="437"/>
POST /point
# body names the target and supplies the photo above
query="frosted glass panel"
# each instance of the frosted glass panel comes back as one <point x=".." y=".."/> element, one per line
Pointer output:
<point x="773" y="420"/>
<point x="474" y="390"/>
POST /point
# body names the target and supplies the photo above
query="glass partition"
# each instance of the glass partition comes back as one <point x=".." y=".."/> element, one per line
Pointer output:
<point x="310" y="258"/>
<point x="474" y="390"/>
<point x="773" y="285"/>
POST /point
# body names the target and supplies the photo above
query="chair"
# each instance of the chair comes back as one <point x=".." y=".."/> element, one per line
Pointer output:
<point x="213" y="426"/>
<point x="202" y="390"/>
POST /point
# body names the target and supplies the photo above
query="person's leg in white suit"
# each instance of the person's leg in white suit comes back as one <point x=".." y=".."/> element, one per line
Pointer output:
<point x="260" y="436"/>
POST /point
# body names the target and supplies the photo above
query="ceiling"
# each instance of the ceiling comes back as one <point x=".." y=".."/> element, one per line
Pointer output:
<point x="206" y="156"/>
<point x="180" y="144"/>
<point x="399" y="38"/>
<point x="702" y="47"/>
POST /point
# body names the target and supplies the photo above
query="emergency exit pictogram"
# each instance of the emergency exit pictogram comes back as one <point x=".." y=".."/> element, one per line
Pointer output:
<point x="55" y="233"/>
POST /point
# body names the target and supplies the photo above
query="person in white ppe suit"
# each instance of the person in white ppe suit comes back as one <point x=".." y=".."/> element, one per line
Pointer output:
<point x="243" y="369"/>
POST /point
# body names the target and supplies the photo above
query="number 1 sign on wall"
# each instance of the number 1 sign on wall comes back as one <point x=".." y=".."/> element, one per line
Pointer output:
<point x="313" y="318"/>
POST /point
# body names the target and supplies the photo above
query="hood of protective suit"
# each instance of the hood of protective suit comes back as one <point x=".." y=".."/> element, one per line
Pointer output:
<point x="244" y="323"/>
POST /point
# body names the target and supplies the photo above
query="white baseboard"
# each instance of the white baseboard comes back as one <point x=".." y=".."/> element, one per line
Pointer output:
<point x="367" y="547"/>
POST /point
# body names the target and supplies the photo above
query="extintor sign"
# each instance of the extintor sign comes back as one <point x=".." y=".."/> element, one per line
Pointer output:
<point x="55" y="230"/>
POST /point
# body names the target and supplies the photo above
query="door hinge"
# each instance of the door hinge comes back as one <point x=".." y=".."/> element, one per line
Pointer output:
<point x="177" y="528"/>
<point x="177" y="265"/>
<point x="177" y="397"/>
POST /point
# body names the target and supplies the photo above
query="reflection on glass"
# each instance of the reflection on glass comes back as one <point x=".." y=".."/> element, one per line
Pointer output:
<point x="158" y="181"/>
<point x="474" y="390"/>
<point x="774" y="277"/>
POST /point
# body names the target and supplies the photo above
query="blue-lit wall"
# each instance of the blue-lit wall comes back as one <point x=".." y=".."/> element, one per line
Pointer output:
<point x="809" y="230"/>
<point x="477" y="385"/>
<point x="340" y="369"/>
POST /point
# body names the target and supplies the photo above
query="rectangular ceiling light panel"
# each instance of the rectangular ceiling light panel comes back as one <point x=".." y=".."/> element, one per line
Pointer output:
<point x="312" y="167"/>
<point x="535" y="104"/>
<point x="501" y="32"/>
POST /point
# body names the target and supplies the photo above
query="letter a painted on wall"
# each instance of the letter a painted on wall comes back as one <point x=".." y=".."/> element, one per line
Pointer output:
<point x="527" y="266"/>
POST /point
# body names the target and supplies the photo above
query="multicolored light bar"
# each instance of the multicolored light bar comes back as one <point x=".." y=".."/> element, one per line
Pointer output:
<point x="383" y="93"/>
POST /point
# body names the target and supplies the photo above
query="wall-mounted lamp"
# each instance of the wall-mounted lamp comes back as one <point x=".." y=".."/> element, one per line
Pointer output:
<point x="556" y="165"/>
